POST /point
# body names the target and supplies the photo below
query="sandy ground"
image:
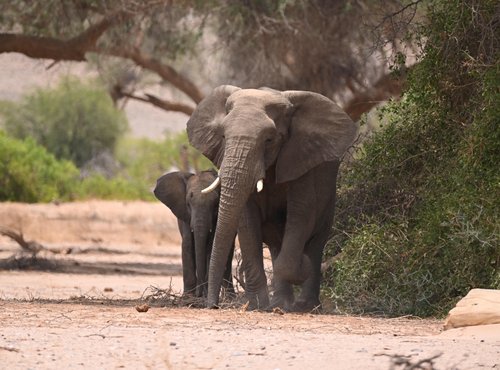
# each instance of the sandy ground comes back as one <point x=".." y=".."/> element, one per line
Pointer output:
<point x="76" y="308"/>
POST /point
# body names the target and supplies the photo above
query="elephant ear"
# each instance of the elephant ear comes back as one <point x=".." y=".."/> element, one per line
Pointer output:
<point x="319" y="131"/>
<point x="171" y="190"/>
<point x="204" y="126"/>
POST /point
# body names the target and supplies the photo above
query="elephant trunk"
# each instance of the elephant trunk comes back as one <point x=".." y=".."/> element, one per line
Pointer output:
<point x="202" y="250"/>
<point x="238" y="180"/>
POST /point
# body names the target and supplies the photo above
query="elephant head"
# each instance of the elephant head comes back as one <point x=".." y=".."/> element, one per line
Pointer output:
<point x="197" y="216"/>
<point x="244" y="132"/>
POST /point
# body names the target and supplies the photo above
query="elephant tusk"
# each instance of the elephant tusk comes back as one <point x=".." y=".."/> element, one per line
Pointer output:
<point x="212" y="186"/>
<point x="260" y="185"/>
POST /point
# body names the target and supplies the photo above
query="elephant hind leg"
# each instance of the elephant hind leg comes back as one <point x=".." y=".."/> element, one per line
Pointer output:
<point x="309" y="295"/>
<point x="282" y="296"/>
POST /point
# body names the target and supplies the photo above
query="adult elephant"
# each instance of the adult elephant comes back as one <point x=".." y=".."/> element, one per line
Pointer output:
<point x="278" y="154"/>
<point x="196" y="214"/>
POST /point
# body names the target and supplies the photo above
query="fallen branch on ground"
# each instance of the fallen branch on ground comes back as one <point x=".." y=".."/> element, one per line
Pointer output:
<point x="33" y="247"/>
<point x="29" y="246"/>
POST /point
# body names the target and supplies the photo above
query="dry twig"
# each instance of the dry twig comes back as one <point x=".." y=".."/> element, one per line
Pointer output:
<point x="169" y="298"/>
<point x="404" y="362"/>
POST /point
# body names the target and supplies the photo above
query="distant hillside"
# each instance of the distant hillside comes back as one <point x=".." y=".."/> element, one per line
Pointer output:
<point x="20" y="74"/>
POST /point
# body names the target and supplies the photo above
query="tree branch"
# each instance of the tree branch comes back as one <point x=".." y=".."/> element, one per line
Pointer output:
<point x="41" y="47"/>
<point x="402" y="10"/>
<point x="160" y="103"/>
<point x="28" y="246"/>
<point x="386" y="87"/>
<point x="88" y="38"/>
<point x="165" y="71"/>
<point x="73" y="49"/>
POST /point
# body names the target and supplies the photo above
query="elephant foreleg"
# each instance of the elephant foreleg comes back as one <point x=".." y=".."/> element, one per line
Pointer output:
<point x="250" y="237"/>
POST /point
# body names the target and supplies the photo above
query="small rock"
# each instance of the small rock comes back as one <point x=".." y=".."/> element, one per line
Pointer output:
<point x="142" y="308"/>
<point x="278" y="311"/>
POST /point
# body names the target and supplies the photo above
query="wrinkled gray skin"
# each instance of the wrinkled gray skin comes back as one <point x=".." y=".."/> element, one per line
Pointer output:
<point x="294" y="141"/>
<point x="197" y="217"/>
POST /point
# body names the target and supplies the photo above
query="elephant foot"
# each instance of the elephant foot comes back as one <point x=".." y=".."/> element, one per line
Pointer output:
<point x="284" y="302"/>
<point x="189" y="290"/>
<point x="201" y="291"/>
<point x="311" y="306"/>
<point x="212" y="305"/>
<point x="189" y="294"/>
<point x="257" y="301"/>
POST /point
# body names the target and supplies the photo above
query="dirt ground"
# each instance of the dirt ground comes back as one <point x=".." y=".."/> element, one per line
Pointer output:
<point x="75" y="307"/>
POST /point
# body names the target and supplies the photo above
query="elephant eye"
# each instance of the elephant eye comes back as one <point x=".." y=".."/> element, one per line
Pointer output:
<point x="269" y="134"/>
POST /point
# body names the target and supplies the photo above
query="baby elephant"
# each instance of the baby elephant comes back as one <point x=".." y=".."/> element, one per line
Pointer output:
<point x="196" y="214"/>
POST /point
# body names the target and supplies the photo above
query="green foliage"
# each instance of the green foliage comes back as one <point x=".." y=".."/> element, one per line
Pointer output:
<point x="144" y="160"/>
<point x="419" y="208"/>
<point x="117" y="188"/>
<point x="74" y="121"/>
<point x="28" y="173"/>
<point x="78" y="121"/>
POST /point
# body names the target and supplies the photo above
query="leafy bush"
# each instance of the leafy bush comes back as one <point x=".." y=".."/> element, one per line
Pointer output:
<point x="28" y="173"/>
<point x="419" y="208"/>
<point x="118" y="188"/>
<point x="144" y="160"/>
<point x="74" y="121"/>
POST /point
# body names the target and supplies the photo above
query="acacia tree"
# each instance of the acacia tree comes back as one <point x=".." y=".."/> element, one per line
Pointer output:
<point x="150" y="34"/>
<point x="318" y="45"/>
<point x="343" y="49"/>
